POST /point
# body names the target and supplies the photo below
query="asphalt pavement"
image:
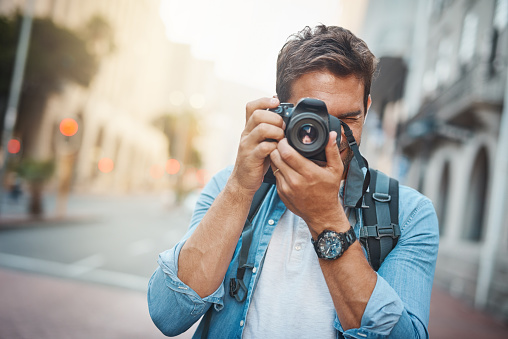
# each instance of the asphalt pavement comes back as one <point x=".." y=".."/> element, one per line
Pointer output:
<point x="85" y="276"/>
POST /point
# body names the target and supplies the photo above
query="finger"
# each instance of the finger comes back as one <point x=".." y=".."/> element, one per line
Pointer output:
<point x="293" y="159"/>
<point x="261" y="151"/>
<point x="285" y="170"/>
<point x="332" y="152"/>
<point x="276" y="163"/>
<point x="266" y="132"/>
<point x="262" y="103"/>
<point x="263" y="116"/>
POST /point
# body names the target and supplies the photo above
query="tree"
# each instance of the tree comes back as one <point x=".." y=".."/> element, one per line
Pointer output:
<point x="56" y="56"/>
<point x="181" y="131"/>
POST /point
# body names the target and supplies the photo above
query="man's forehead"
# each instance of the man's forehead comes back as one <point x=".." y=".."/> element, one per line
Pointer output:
<point x="341" y="94"/>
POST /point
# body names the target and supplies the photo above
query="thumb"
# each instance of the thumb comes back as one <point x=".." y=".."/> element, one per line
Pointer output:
<point x="332" y="152"/>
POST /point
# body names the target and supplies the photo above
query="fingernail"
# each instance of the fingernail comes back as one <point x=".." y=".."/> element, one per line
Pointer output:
<point x="274" y="101"/>
<point x="283" y="125"/>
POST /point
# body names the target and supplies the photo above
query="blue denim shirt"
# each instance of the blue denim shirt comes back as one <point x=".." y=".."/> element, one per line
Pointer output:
<point x="398" y="307"/>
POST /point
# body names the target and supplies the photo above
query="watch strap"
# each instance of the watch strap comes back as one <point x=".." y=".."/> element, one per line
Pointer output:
<point x="349" y="237"/>
<point x="346" y="238"/>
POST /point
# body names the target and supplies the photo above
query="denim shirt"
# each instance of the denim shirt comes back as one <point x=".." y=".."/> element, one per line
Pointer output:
<point x="398" y="307"/>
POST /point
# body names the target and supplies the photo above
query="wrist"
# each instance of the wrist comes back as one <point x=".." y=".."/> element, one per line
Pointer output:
<point x="235" y="188"/>
<point x="334" y="220"/>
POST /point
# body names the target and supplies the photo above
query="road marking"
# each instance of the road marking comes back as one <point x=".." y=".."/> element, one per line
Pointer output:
<point x="119" y="279"/>
<point x="86" y="264"/>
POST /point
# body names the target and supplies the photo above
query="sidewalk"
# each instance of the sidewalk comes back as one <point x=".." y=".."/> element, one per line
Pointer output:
<point x="452" y="318"/>
<point x="35" y="306"/>
<point x="13" y="214"/>
<point x="42" y="307"/>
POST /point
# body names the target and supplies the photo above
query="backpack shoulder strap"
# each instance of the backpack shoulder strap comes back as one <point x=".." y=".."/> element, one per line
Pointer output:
<point x="381" y="230"/>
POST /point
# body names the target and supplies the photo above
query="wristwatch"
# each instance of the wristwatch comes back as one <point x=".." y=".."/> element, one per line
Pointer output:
<point x="331" y="245"/>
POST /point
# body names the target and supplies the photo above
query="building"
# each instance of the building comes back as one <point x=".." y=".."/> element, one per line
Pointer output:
<point x="447" y="134"/>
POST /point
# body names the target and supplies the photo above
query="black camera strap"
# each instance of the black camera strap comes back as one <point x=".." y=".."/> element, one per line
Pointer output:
<point x="237" y="284"/>
<point x="358" y="176"/>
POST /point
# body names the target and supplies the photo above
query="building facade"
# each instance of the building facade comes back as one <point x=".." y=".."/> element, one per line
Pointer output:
<point x="447" y="132"/>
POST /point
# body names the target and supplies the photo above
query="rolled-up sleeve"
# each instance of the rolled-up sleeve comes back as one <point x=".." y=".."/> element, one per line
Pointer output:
<point x="174" y="307"/>
<point x="400" y="302"/>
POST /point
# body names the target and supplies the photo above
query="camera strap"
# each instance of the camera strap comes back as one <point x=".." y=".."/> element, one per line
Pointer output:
<point x="237" y="284"/>
<point x="358" y="176"/>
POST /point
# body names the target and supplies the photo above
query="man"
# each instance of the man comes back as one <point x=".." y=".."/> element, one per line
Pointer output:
<point x="290" y="291"/>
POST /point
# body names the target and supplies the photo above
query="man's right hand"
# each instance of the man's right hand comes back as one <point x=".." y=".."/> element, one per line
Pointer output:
<point x="263" y="129"/>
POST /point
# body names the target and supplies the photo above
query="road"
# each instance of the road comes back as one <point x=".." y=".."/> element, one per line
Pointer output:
<point x="113" y="241"/>
<point x="86" y="276"/>
<point x="89" y="271"/>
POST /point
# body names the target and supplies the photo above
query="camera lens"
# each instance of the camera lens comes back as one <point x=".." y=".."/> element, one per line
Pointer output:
<point x="307" y="134"/>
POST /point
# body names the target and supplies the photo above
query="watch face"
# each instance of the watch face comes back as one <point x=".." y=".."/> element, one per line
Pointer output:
<point x="329" y="245"/>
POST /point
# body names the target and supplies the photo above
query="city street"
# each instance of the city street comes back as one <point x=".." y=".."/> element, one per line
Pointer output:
<point x="85" y="276"/>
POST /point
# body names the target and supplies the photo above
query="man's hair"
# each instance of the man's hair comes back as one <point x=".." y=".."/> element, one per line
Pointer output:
<point x="324" y="48"/>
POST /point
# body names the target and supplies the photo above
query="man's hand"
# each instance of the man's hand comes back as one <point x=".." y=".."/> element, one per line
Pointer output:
<point x="206" y="255"/>
<point x="263" y="130"/>
<point x="308" y="190"/>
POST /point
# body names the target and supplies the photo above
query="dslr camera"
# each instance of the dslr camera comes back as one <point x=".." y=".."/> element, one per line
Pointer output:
<point x="308" y="127"/>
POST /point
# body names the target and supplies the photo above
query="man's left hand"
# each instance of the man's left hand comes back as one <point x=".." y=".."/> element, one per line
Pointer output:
<point x="308" y="190"/>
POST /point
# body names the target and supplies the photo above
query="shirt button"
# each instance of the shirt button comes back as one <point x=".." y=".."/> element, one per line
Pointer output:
<point x="271" y="222"/>
<point x="298" y="247"/>
<point x="254" y="270"/>
<point x="241" y="322"/>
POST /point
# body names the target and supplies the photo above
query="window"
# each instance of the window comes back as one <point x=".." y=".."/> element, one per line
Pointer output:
<point x="468" y="39"/>
<point x="499" y="24"/>
<point x="442" y="200"/>
<point x="474" y="211"/>
<point x="443" y="62"/>
<point x="501" y="15"/>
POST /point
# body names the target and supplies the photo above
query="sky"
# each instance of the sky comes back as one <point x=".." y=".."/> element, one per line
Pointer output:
<point x="243" y="37"/>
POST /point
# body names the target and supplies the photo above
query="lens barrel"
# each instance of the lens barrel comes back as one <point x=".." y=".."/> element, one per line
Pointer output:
<point x="307" y="133"/>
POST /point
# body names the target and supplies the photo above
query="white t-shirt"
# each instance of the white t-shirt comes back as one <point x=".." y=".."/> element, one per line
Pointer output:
<point x="291" y="299"/>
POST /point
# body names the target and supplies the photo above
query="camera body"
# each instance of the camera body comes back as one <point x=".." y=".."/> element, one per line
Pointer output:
<point x="308" y="127"/>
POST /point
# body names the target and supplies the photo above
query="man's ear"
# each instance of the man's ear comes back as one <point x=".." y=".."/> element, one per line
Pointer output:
<point x="369" y="102"/>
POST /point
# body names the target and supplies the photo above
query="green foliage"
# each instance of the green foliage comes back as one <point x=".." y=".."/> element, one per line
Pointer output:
<point x="181" y="131"/>
<point x="99" y="35"/>
<point x="35" y="171"/>
<point x="56" y="55"/>
<point x="9" y="31"/>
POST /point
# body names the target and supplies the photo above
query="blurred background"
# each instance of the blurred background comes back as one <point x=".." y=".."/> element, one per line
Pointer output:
<point x="115" y="114"/>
